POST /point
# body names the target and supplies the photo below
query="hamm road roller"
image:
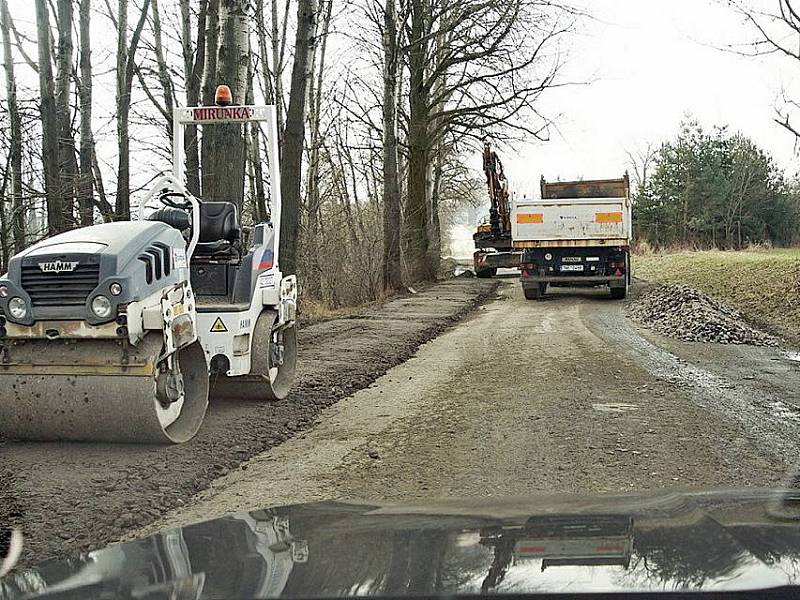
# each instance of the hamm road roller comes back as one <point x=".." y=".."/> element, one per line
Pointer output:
<point x="119" y="332"/>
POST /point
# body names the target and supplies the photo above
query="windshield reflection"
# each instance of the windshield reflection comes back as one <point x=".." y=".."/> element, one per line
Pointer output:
<point x="342" y="549"/>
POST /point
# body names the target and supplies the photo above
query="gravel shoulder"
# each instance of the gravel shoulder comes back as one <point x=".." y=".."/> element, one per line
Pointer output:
<point x="523" y="398"/>
<point x="762" y="284"/>
<point x="69" y="497"/>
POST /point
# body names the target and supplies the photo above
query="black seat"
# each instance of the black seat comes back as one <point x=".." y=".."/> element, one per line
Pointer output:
<point x="218" y="221"/>
<point x="219" y="229"/>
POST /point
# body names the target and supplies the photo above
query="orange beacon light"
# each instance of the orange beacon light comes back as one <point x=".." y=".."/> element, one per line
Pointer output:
<point x="222" y="97"/>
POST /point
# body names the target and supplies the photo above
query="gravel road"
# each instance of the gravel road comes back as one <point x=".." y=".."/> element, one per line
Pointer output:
<point x="70" y="497"/>
<point x="522" y="398"/>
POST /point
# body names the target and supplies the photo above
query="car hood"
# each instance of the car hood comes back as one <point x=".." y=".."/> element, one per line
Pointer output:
<point x="731" y="540"/>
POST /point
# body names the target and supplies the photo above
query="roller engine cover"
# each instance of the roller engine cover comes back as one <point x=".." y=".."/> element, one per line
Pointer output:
<point x="59" y="277"/>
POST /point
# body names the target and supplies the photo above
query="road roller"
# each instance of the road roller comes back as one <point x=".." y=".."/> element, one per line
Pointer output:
<point x="120" y="332"/>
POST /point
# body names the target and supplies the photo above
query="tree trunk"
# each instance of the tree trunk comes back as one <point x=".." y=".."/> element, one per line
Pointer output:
<point x="416" y="213"/>
<point x="277" y="68"/>
<point x="86" y="178"/>
<point x="435" y="229"/>
<point x="163" y="73"/>
<point x="123" y="107"/>
<point x="55" y="215"/>
<point x="392" y="271"/>
<point x="4" y="245"/>
<point x="435" y="165"/>
<point x="313" y="282"/>
<point x="102" y="203"/>
<point x="260" y="213"/>
<point x="264" y="60"/>
<point x="211" y="37"/>
<point x="224" y="160"/>
<point x="193" y="62"/>
<point x="68" y="166"/>
<point x="291" y="165"/>
<point x="126" y="55"/>
<point x="15" y="147"/>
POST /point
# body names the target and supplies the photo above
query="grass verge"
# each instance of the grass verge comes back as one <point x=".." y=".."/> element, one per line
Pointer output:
<point x="763" y="284"/>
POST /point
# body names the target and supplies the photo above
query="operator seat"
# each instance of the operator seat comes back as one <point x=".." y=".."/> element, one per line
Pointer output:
<point x="219" y="229"/>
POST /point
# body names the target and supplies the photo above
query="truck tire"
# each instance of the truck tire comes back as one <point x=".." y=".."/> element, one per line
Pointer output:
<point x="619" y="293"/>
<point x="486" y="273"/>
<point x="535" y="291"/>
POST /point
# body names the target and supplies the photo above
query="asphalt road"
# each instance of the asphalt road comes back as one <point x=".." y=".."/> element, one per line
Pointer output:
<point x="525" y="398"/>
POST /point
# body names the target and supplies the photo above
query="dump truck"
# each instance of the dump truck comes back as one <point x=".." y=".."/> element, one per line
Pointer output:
<point x="493" y="247"/>
<point x="120" y="332"/>
<point x="577" y="234"/>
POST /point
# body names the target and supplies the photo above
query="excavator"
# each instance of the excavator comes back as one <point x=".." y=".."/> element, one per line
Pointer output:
<point x="120" y="332"/>
<point x="493" y="246"/>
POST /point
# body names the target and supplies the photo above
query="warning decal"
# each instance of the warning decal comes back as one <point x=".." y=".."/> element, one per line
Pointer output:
<point x="218" y="326"/>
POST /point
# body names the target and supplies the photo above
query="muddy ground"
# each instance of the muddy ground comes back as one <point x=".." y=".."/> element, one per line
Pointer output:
<point x="69" y="497"/>
<point x="525" y="398"/>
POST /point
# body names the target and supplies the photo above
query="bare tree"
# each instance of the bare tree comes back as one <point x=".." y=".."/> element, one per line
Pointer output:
<point x="55" y="214"/>
<point x="473" y="65"/>
<point x="224" y="170"/>
<point x="291" y="165"/>
<point x="86" y="177"/>
<point x="392" y="271"/>
<point x="641" y="160"/>
<point x="126" y="56"/>
<point x="278" y="51"/>
<point x="164" y="77"/>
<point x="67" y="162"/>
<point x="211" y="39"/>
<point x="778" y="32"/>
<point x="256" y="172"/>
<point x="193" y="62"/>
<point x="312" y="176"/>
<point x="15" y="143"/>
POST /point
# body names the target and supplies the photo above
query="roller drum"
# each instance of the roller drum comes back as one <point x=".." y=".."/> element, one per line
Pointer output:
<point x="98" y="390"/>
<point x="266" y="380"/>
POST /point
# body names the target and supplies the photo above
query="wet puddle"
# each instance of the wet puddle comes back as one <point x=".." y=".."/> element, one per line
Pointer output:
<point x="615" y="407"/>
<point x="784" y="411"/>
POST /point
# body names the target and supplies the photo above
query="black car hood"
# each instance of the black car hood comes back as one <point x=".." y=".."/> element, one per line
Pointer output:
<point x="731" y="540"/>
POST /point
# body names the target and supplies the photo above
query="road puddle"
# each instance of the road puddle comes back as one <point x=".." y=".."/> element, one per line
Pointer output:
<point x="784" y="411"/>
<point x="614" y="407"/>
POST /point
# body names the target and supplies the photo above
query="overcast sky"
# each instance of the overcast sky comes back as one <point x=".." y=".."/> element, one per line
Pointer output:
<point x="651" y="62"/>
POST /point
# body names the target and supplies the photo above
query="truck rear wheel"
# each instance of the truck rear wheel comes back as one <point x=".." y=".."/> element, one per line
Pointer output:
<point x="486" y="273"/>
<point x="619" y="293"/>
<point x="534" y="291"/>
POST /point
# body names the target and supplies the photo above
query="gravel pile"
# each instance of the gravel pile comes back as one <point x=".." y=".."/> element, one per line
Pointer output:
<point x="682" y="312"/>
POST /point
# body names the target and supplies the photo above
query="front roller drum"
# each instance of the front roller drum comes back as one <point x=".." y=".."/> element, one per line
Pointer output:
<point x="273" y="362"/>
<point x="95" y="390"/>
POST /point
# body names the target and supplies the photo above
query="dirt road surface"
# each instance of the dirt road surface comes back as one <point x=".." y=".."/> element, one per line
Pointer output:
<point x="522" y="398"/>
<point x="69" y="497"/>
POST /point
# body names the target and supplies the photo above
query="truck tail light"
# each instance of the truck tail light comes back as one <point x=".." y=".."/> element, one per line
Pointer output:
<point x="618" y="266"/>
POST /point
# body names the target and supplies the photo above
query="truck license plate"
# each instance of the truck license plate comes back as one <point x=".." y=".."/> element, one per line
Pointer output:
<point x="572" y="267"/>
